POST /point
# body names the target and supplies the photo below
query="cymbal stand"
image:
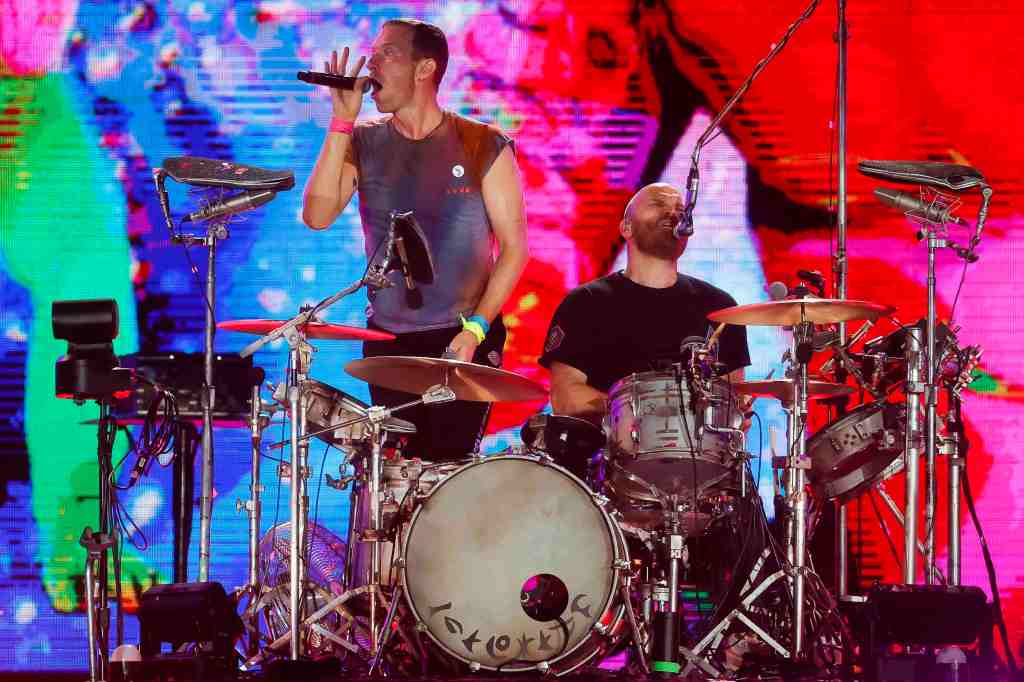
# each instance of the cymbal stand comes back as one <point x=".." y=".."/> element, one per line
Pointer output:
<point x="300" y="357"/>
<point x="253" y="588"/>
<point x="797" y="465"/>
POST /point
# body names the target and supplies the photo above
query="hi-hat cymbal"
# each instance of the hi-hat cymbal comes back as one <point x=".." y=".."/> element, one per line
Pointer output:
<point x="468" y="380"/>
<point x="783" y="389"/>
<point x="795" y="311"/>
<point x="311" y="330"/>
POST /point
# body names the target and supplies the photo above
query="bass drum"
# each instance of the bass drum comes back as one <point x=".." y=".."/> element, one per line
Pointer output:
<point x="512" y="564"/>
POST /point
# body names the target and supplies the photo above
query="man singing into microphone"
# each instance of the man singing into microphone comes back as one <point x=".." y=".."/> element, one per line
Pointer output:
<point x="635" y="319"/>
<point x="460" y="179"/>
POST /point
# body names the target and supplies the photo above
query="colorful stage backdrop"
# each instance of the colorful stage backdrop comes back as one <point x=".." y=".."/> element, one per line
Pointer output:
<point x="601" y="97"/>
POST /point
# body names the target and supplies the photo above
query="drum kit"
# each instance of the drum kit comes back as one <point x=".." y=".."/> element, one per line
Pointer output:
<point x="550" y="556"/>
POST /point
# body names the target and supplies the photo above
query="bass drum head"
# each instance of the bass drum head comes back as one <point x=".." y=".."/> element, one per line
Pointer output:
<point x="493" y="528"/>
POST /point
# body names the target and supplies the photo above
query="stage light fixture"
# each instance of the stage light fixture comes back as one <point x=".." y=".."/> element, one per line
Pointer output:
<point x="90" y="369"/>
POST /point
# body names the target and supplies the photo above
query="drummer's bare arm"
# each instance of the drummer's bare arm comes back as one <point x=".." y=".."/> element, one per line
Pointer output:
<point x="503" y="198"/>
<point x="745" y="403"/>
<point x="333" y="180"/>
<point x="571" y="394"/>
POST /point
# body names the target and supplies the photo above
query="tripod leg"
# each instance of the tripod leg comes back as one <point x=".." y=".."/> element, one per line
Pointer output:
<point x="385" y="634"/>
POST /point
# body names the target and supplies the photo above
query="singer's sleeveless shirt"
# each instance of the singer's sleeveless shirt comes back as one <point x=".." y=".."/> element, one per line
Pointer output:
<point x="439" y="179"/>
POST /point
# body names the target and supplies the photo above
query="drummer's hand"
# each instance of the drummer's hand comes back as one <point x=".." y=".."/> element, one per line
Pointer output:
<point x="346" y="103"/>
<point x="745" y="404"/>
<point x="463" y="345"/>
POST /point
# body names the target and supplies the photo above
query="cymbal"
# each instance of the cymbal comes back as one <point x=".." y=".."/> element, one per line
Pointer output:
<point x="312" y="330"/>
<point x="795" y="311"/>
<point x="468" y="380"/>
<point x="782" y="389"/>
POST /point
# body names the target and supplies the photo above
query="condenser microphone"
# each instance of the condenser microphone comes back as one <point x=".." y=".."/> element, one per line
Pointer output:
<point x="246" y="201"/>
<point x="907" y="203"/>
<point x="333" y="80"/>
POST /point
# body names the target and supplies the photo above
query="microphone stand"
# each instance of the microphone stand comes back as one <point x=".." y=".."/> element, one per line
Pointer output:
<point x="216" y="230"/>
<point x="839" y="269"/>
<point x="934" y="235"/>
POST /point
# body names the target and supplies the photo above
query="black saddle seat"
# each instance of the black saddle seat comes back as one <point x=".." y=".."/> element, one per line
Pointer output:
<point x="201" y="172"/>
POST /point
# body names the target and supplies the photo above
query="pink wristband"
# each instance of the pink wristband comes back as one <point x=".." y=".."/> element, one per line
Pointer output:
<point x="340" y="125"/>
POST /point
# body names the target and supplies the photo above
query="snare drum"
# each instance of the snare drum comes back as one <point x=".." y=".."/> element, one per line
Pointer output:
<point x="513" y="564"/>
<point x="327" y="406"/>
<point x="857" y="451"/>
<point x="660" y="433"/>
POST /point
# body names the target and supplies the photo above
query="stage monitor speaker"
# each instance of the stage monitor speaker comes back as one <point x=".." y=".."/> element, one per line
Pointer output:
<point x="183" y="613"/>
<point x="927" y="615"/>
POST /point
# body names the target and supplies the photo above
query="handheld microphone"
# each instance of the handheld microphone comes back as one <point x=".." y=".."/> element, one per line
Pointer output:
<point x="910" y="204"/>
<point x="246" y="201"/>
<point x="333" y="80"/>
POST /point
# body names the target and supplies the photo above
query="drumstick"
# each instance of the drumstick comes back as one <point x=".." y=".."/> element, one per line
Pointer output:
<point x="713" y="339"/>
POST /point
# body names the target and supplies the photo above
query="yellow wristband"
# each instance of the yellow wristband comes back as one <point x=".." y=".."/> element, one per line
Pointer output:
<point x="474" y="327"/>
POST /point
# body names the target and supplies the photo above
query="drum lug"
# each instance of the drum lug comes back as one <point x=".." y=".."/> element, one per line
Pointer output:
<point x="620" y="565"/>
<point x="600" y="628"/>
<point x="600" y="500"/>
<point x="422" y="627"/>
<point x="399" y="562"/>
<point x="544" y="667"/>
<point x="474" y="666"/>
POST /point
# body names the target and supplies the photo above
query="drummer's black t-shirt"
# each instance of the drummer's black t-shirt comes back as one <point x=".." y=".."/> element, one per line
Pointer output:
<point x="613" y="327"/>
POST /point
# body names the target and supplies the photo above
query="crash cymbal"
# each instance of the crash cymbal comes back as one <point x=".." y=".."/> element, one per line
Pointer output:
<point x="795" y="311"/>
<point x="468" y="380"/>
<point x="312" y="330"/>
<point x="782" y="389"/>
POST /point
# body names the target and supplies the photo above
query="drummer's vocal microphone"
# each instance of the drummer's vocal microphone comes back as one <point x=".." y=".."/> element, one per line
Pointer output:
<point x="685" y="226"/>
<point x="246" y="201"/>
<point x="334" y="80"/>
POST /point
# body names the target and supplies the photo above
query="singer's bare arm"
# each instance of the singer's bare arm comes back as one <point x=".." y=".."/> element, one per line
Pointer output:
<point x="502" y="193"/>
<point x="333" y="180"/>
<point x="571" y="394"/>
<point x="331" y="184"/>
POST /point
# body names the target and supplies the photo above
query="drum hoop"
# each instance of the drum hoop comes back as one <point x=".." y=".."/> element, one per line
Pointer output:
<point x="620" y="557"/>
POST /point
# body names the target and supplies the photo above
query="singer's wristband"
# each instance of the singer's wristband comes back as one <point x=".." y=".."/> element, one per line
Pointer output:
<point x="479" y="319"/>
<point x="340" y="125"/>
<point x="472" y="325"/>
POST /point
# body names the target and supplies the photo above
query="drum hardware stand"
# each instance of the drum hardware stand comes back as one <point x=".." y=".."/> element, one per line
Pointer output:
<point x="259" y="417"/>
<point x="898" y="513"/>
<point x="299" y="359"/>
<point x="336" y="604"/>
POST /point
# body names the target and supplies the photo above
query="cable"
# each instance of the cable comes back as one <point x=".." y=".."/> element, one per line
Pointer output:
<point x="990" y="568"/>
